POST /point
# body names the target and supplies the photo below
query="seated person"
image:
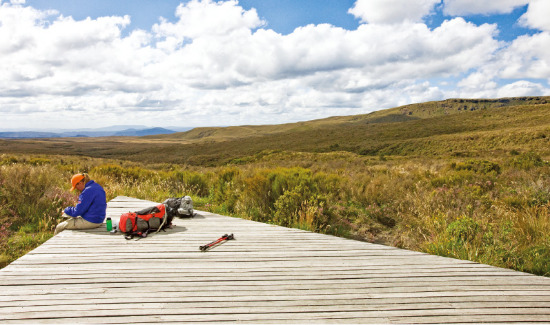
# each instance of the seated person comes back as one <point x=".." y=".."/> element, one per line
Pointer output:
<point x="91" y="208"/>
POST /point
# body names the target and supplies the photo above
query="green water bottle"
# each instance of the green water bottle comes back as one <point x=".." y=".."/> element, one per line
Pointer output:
<point x="109" y="224"/>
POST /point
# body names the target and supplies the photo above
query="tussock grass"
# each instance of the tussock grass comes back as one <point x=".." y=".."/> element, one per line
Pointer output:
<point x="493" y="211"/>
<point x="31" y="200"/>
<point x="456" y="178"/>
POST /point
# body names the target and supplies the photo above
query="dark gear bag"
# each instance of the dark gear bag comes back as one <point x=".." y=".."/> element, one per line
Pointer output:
<point x="143" y="222"/>
<point x="181" y="207"/>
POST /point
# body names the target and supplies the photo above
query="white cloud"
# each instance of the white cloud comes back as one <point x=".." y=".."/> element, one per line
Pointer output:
<point x="207" y="18"/>
<point x="484" y="83"/>
<point x="537" y="15"/>
<point x="481" y="7"/>
<point x="522" y="88"/>
<point x="478" y="82"/>
<point x="490" y="88"/>
<point x="526" y="57"/>
<point x="392" y="11"/>
<point x="217" y="65"/>
<point x="374" y="51"/>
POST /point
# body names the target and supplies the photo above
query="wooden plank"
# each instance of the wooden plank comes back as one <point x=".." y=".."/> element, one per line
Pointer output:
<point x="459" y="302"/>
<point x="281" y="285"/>
<point x="45" y="306"/>
<point x="269" y="274"/>
<point x="331" y="316"/>
<point x="26" y="280"/>
<point x="395" y="297"/>
<point x="258" y="313"/>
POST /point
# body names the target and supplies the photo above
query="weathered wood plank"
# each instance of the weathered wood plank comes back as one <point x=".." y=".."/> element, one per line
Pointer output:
<point x="339" y="278"/>
<point x="396" y="297"/>
<point x="266" y="311"/>
<point x="278" y="285"/>
<point x="127" y="306"/>
<point x="219" y="301"/>
<point x="269" y="274"/>
<point x="377" y="317"/>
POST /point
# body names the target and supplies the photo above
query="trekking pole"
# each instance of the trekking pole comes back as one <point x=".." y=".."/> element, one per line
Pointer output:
<point x="216" y="242"/>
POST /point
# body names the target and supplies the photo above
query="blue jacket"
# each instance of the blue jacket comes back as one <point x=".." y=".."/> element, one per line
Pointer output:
<point x="92" y="204"/>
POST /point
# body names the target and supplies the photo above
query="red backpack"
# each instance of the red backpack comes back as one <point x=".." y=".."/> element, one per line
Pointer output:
<point x="141" y="223"/>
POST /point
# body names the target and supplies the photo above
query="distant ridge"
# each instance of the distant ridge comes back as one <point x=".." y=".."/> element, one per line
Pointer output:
<point x="406" y="113"/>
<point x="28" y="134"/>
<point x="143" y="132"/>
<point x="100" y="132"/>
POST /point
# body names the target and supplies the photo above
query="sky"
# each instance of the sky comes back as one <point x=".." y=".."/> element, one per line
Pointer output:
<point x="71" y="64"/>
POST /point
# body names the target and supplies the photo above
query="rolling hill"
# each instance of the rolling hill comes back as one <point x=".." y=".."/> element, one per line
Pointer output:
<point x="453" y="127"/>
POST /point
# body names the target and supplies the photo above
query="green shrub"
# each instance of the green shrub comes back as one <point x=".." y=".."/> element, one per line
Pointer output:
<point x="31" y="202"/>
<point x="120" y="173"/>
<point x="288" y="206"/>
<point x="454" y="178"/>
<point x="39" y="161"/>
<point x="478" y="166"/>
<point x="224" y="189"/>
<point x="538" y="260"/>
<point x="32" y="194"/>
<point x="256" y="199"/>
<point x="527" y="161"/>
<point x="190" y="182"/>
<point x="8" y="160"/>
<point x="463" y="229"/>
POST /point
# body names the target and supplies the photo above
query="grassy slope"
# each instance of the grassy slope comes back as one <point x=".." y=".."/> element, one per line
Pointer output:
<point x="452" y="127"/>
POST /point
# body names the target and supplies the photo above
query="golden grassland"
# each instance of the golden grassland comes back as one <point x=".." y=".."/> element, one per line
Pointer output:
<point x="435" y="129"/>
<point x="470" y="183"/>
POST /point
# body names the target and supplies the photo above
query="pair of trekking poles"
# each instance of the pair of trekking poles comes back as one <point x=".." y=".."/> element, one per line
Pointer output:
<point x="216" y="242"/>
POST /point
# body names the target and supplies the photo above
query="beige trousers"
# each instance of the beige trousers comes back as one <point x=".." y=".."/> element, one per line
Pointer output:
<point x="75" y="223"/>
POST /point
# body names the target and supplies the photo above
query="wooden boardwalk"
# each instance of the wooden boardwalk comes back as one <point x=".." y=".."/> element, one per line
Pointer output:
<point x="269" y="274"/>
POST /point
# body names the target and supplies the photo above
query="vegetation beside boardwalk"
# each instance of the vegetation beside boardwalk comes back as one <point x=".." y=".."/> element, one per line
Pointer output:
<point x="492" y="210"/>
<point x="463" y="178"/>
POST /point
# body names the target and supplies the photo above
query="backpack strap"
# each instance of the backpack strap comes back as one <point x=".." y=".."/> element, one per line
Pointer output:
<point x="137" y="234"/>
<point x="164" y="218"/>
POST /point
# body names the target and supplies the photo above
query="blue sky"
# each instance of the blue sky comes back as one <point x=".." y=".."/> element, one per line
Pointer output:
<point x="205" y="62"/>
<point x="283" y="16"/>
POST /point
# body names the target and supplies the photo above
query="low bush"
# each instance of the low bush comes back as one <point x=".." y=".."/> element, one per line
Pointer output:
<point x="31" y="201"/>
<point x="481" y="210"/>
<point x="527" y="161"/>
